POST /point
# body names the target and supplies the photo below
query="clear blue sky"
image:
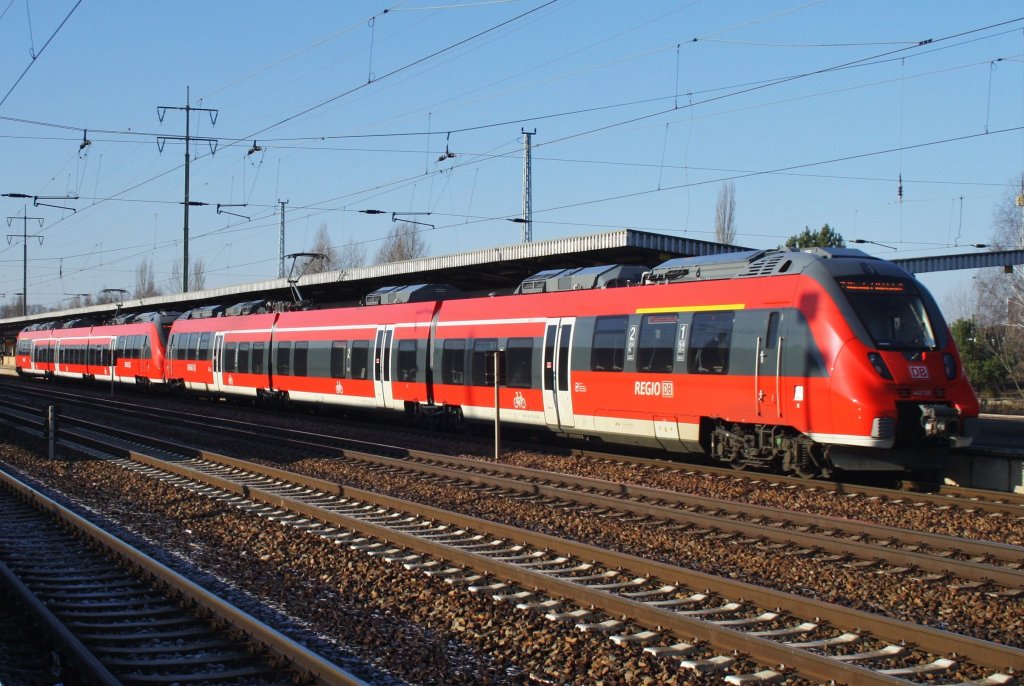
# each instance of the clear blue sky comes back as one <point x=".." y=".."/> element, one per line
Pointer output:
<point x="641" y="109"/>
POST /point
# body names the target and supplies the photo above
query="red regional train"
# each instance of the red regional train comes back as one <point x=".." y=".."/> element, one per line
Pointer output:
<point x="801" y="362"/>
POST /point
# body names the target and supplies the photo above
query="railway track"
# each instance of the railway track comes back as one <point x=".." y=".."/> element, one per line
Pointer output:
<point x="598" y="590"/>
<point x="934" y="495"/>
<point x="121" y="617"/>
<point x="970" y="564"/>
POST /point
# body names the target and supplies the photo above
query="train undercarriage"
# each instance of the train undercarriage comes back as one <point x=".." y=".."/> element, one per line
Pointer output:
<point x="769" y="448"/>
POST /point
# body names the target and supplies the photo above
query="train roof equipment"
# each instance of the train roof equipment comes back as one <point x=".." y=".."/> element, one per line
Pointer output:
<point x="748" y="263"/>
<point x="420" y="292"/>
<point x="583" y="278"/>
<point x="261" y="306"/>
<point x="204" y="312"/>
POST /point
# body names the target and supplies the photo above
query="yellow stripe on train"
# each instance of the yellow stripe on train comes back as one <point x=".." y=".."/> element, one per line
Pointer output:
<point x="689" y="308"/>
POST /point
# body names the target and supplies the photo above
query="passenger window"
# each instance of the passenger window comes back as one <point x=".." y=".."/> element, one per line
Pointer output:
<point x="301" y="366"/>
<point x="284" y="359"/>
<point x="338" y="353"/>
<point x="453" y="362"/>
<point x="360" y="359"/>
<point x="519" y="363"/>
<point x="229" y="357"/>
<point x="256" y="358"/>
<point x="406" y="361"/>
<point x="709" y="343"/>
<point x="657" y="343"/>
<point x="243" y="358"/>
<point x="609" y="347"/>
<point x="483" y="373"/>
<point x="204" y="347"/>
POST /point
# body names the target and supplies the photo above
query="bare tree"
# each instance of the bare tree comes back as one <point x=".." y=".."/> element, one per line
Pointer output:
<point x="145" y="283"/>
<point x="403" y="242"/>
<point x="725" y="213"/>
<point x="351" y="255"/>
<point x="14" y="308"/>
<point x="196" y="278"/>
<point x="1000" y="296"/>
<point x="322" y="245"/>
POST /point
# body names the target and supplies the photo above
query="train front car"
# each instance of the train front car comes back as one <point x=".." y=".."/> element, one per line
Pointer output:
<point x="829" y="359"/>
<point x="899" y="397"/>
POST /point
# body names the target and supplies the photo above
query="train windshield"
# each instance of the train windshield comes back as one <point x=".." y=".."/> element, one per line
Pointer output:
<point x="893" y="312"/>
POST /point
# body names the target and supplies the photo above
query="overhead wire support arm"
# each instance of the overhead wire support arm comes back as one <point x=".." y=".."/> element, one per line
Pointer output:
<point x="399" y="217"/>
<point x="233" y="214"/>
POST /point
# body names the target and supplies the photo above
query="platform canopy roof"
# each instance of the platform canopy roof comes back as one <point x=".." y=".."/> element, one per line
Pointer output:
<point x="492" y="270"/>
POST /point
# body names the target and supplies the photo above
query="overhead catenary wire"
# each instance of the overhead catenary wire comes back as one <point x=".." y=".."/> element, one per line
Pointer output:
<point x="37" y="55"/>
<point x="479" y="158"/>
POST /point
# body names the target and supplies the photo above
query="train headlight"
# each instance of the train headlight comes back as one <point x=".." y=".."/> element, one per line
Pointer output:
<point x="879" y="364"/>
<point x="949" y="363"/>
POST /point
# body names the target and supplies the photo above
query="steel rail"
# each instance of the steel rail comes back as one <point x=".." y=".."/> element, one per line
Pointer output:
<point x="980" y="499"/>
<point x="984" y="653"/>
<point x="79" y="653"/>
<point x="632" y="499"/>
<point x="303" y="659"/>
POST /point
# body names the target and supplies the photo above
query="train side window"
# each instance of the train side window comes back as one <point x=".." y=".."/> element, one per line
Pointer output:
<point x="360" y="359"/>
<point x="204" y="347"/>
<point x="193" y="345"/>
<point x="608" y="351"/>
<point x="318" y="364"/>
<point x="257" y="358"/>
<point x="519" y="363"/>
<point x="772" y="337"/>
<point x="549" y="356"/>
<point x="300" y="365"/>
<point x="709" y="343"/>
<point x="453" y="362"/>
<point x="657" y="343"/>
<point x="338" y="354"/>
<point x="482" y="373"/>
<point x="283" y="362"/>
<point x="564" y="336"/>
<point x="146" y="350"/>
<point x="406" y="360"/>
<point x="243" y="357"/>
<point x="229" y="364"/>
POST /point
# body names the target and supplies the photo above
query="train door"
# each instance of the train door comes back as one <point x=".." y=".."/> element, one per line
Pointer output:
<point x="218" y="361"/>
<point x="382" y="366"/>
<point x="145" y="355"/>
<point x="111" y="368"/>
<point x="556" y="382"/>
<point x="768" y="370"/>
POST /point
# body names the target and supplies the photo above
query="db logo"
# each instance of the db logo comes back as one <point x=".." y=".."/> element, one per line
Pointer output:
<point x="918" y="371"/>
<point x="339" y="389"/>
<point x="519" y="402"/>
